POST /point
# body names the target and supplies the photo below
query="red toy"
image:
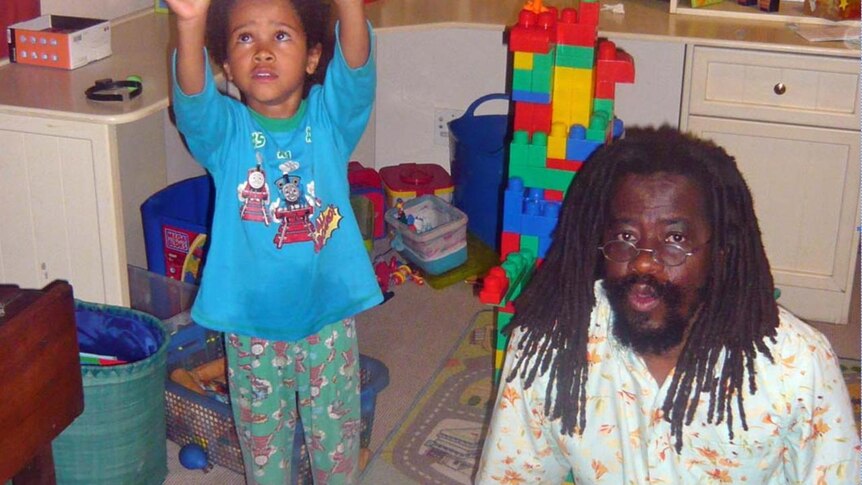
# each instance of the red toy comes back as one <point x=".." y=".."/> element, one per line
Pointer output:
<point x="366" y="182"/>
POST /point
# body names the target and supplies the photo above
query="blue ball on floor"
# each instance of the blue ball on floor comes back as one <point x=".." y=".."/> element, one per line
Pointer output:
<point x="194" y="457"/>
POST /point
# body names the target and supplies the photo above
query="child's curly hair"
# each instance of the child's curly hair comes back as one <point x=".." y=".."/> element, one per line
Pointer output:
<point x="314" y="15"/>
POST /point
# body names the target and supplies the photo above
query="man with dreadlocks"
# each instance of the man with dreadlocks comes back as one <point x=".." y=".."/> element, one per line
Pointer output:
<point x="649" y="348"/>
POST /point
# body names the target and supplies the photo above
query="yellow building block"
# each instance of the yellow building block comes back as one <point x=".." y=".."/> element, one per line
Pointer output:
<point x="574" y="88"/>
<point x="557" y="141"/>
<point x="523" y="60"/>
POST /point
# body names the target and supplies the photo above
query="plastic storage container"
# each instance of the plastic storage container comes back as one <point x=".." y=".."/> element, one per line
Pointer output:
<point x="120" y="436"/>
<point x="176" y="222"/>
<point x="477" y="159"/>
<point x="430" y="232"/>
<point x="410" y="180"/>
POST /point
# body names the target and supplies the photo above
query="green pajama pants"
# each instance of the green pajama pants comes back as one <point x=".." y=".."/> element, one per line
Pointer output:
<point x="275" y="384"/>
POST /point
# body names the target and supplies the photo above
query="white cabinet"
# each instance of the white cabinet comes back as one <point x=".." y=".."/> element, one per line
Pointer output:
<point x="792" y="123"/>
<point x="64" y="213"/>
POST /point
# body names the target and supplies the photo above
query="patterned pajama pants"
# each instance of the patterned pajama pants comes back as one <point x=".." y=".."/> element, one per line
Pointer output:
<point x="275" y="384"/>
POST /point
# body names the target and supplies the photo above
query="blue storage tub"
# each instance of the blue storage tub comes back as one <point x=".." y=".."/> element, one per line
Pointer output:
<point x="477" y="160"/>
<point x="176" y="222"/>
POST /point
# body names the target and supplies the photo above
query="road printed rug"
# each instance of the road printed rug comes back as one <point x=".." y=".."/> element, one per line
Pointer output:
<point x="441" y="439"/>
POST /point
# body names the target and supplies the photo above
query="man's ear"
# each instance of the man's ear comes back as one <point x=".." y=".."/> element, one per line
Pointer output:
<point x="313" y="59"/>
<point x="226" y="67"/>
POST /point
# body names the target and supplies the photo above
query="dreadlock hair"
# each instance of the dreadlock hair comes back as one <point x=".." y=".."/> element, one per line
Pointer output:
<point x="314" y="15"/>
<point x="738" y="313"/>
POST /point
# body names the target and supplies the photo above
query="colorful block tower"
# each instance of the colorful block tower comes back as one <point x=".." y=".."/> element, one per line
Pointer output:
<point x="563" y="86"/>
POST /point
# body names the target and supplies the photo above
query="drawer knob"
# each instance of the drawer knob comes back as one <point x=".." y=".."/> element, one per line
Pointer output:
<point x="779" y="89"/>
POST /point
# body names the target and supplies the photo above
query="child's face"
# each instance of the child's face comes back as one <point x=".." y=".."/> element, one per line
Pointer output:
<point x="267" y="55"/>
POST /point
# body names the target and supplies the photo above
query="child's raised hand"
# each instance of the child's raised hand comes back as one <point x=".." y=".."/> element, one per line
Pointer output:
<point x="189" y="9"/>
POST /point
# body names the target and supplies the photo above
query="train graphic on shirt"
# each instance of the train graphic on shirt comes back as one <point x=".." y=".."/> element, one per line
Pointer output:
<point x="292" y="210"/>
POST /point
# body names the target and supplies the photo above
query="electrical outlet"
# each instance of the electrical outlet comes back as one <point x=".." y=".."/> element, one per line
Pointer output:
<point x="442" y="117"/>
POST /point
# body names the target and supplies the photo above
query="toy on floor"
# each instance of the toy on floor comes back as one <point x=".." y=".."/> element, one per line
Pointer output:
<point x="395" y="272"/>
<point x="194" y="457"/>
<point x="206" y="379"/>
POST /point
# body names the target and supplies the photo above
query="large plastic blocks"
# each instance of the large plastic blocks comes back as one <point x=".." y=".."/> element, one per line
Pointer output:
<point x="532" y="117"/>
<point x="578" y="147"/>
<point x="504" y="283"/>
<point x="613" y="64"/>
<point x="534" y="32"/>
<point x="526" y="211"/>
<point x="574" y="29"/>
<point x="528" y="152"/>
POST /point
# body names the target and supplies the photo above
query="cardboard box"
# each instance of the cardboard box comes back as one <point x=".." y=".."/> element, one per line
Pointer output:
<point x="59" y="41"/>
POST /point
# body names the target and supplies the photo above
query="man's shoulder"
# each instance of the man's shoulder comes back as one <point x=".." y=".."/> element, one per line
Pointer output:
<point x="796" y="337"/>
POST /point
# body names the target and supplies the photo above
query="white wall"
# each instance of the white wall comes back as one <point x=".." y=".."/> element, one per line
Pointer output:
<point x="420" y="70"/>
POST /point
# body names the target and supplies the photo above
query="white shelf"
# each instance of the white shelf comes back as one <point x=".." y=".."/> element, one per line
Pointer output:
<point x="789" y="11"/>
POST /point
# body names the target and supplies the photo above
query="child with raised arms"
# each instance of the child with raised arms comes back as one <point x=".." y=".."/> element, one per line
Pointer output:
<point x="286" y="269"/>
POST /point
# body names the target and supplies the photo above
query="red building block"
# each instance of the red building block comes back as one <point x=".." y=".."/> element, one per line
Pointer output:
<point x="570" y="31"/>
<point x="555" y="195"/>
<point x="532" y="117"/>
<point x="510" y="242"/>
<point x="533" y="32"/>
<point x="567" y="165"/>
<point x="613" y="65"/>
<point x="589" y="13"/>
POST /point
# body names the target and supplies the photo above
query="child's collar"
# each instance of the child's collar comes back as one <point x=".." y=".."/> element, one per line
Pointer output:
<point x="279" y="124"/>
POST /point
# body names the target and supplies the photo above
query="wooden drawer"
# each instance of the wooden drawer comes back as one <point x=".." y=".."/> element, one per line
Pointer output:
<point x="778" y="87"/>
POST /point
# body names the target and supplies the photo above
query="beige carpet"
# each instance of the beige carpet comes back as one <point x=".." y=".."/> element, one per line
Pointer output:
<point x="412" y="334"/>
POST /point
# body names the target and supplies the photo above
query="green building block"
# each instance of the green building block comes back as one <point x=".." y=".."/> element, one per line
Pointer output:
<point x="522" y="79"/>
<point x="576" y="56"/>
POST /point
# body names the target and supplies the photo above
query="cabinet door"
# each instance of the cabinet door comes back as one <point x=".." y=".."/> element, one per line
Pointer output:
<point x="58" y="209"/>
<point x="805" y="184"/>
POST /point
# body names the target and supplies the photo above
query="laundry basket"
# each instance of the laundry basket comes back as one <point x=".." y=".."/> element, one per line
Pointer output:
<point x="119" y="439"/>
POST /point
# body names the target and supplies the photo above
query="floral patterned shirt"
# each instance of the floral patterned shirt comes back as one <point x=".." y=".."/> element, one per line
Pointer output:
<point x="801" y="427"/>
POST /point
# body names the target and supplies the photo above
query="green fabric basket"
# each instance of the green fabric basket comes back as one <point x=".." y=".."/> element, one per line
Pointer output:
<point x="119" y="439"/>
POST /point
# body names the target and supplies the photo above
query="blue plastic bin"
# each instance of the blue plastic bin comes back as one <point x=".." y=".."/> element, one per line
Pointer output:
<point x="477" y="160"/>
<point x="176" y="222"/>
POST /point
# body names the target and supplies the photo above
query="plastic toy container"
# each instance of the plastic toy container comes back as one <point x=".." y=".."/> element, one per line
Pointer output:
<point x="410" y="180"/>
<point x="477" y="160"/>
<point x="176" y="222"/>
<point x="430" y="233"/>
<point x="205" y="420"/>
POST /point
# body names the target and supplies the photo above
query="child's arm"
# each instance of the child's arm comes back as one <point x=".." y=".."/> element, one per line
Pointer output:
<point x="355" y="42"/>
<point x="191" y="29"/>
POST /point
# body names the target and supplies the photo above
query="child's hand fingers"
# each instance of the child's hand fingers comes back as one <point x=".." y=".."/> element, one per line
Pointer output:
<point x="188" y="9"/>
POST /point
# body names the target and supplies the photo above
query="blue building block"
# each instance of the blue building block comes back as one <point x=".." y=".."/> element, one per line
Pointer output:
<point x="544" y="246"/>
<point x="531" y="97"/>
<point x="540" y="217"/>
<point x="578" y="147"/>
<point x="513" y="203"/>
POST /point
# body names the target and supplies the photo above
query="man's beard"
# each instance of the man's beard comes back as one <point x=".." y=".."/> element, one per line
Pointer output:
<point x="632" y="328"/>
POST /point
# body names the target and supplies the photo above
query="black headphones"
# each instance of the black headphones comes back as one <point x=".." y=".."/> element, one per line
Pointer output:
<point x="122" y="90"/>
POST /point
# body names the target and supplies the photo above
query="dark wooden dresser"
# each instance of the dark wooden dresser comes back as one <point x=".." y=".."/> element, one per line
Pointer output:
<point x="41" y="391"/>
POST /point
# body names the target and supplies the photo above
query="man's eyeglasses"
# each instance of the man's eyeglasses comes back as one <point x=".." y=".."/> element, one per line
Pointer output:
<point x="669" y="254"/>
